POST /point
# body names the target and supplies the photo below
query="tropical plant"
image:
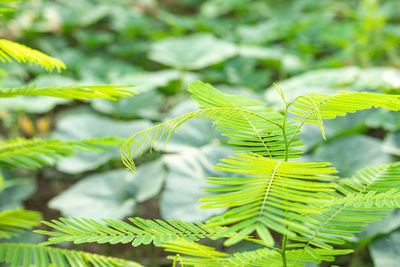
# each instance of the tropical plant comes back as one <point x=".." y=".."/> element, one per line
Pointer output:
<point x="34" y="153"/>
<point x="268" y="188"/>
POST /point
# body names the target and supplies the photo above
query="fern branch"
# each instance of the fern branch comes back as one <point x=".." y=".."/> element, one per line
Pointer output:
<point x="80" y="92"/>
<point x="34" y="153"/>
<point x="138" y="231"/>
<point x="22" y="53"/>
<point x="194" y="254"/>
<point x="12" y="222"/>
<point x="316" y="107"/>
<point x="27" y="254"/>
<point x="355" y="206"/>
<point x="276" y="193"/>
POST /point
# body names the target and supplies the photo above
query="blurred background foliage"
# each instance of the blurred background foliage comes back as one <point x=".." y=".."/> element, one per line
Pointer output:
<point x="241" y="47"/>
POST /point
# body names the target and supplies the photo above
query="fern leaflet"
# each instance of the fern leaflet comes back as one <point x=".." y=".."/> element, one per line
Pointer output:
<point x="139" y="231"/>
<point x="80" y="92"/>
<point x="34" y="153"/>
<point x="27" y="254"/>
<point x="22" y="53"/>
<point x="12" y="222"/>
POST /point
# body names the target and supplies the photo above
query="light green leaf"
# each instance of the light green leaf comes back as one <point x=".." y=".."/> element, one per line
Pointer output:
<point x="98" y="196"/>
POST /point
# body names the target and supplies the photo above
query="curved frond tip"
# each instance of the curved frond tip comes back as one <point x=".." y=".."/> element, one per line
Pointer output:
<point x="22" y="53"/>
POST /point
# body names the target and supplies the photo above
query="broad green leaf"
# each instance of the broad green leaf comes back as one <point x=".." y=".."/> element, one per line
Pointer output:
<point x="351" y="153"/>
<point x="191" y="52"/>
<point x="185" y="182"/>
<point x="98" y="196"/>
<point x="16" y="190"/>
<point x="385" y="251"/>
<point x="83" y="123"/>
<point x="391" y="143"/>
<point x="147" y="181"/>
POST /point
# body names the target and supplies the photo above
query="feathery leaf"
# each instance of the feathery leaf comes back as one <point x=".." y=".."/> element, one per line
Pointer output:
<point x="253" y="129"/>
<point x="200" y="255"/>
<point x="315" y="107"/>
<point x="22" y="53"/>
<point x="80" y="92"/>
<point x="139" y="231"/>
<point x="12" y="222"/>
<point x="34" y="153"/>
<point x="28" y="254"/>
<point x="275" y="193"/>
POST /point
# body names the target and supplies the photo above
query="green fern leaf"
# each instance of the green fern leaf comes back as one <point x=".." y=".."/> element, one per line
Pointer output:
<point x="249" y="133"/>
<point x="34" y="255"/>
<point x="34" y="153"/>
<point x="21" y="53"/>
<point x="356" y="204"/>
<point x="80" y="92"/>
<point x="314" y="108"/>
<point x="139" y="231"/>
<point x="12" y="222"/>
<point x="194" y="254"/>
<point x="275" y="194"/>
<point x="252" y="129"/>
<point x="373" y="178"/>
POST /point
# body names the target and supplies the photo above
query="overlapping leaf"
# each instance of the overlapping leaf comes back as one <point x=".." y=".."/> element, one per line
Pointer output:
<point x="274" y="195"/>
<point x="80" y="92"/>
<point x="357" y="203"/>
<point x="35" y="255"/>
<point x="315" y="107"/>
<point x="12" y="222"/>
<point x="22" y="53"/>
<point x="200" y="255"/>
<point x="138" y="231"/>
<point x="34" y="153"/>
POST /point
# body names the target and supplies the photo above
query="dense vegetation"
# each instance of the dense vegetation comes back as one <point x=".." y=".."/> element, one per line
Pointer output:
<point x="161" y="46"/>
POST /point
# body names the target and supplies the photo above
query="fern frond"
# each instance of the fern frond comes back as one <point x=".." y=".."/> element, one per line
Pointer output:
<point x="370" y="189"/>
<point x="22" y="53"/>
<point x="275" y="194"/>
<point x="12" y="222"/>
<point x="249" y="133"/>
<point x="34" y="153"/>
<point x="372" y="178"/>
<point x="200" y="255"/>
<point x="138" y="231"/>
<point x="79" y="92"/>
<point x="252" y="129"/>
<point x="315" y="107"/>
<point x="36" y="255"/>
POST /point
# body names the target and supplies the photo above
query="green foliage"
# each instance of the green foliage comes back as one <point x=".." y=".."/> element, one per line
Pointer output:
<point x="12" y="222"/>
<point x="139" y="231"/>
<point x="27" y="254"/>
<point x="21" y="53"/>
<point x="314" y="108"/>
<point x="299" y="200"/>
<point x="34" y="153"/>
<point x="80" y="92"/>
